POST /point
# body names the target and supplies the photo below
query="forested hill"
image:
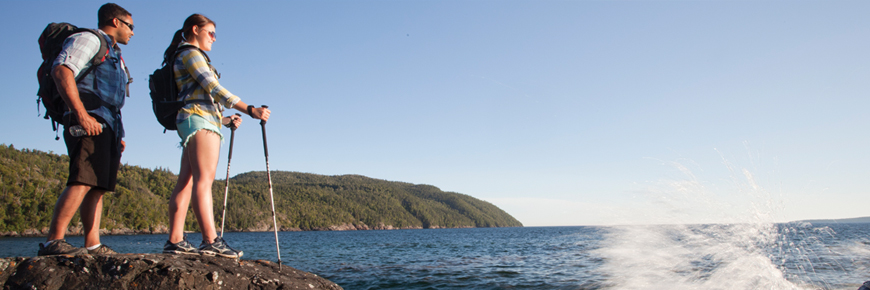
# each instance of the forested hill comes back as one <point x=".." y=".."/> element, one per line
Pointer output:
<point x="31" y="180"/>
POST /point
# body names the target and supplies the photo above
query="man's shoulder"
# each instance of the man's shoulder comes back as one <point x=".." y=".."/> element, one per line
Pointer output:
<point x="89" y="41"/>
<point x="91" y="35"/>
<point x="85" y="41"/>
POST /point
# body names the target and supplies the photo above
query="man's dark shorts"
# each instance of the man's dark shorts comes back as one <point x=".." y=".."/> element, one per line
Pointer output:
<point x="93" y="160"/>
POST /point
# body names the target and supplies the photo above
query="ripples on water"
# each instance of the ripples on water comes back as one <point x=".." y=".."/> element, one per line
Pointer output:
<point x="786" y="256"/>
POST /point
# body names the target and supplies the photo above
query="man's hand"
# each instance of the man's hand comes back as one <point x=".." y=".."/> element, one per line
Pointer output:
<point x="66" y="83"/>
<point x="90" y="124"/>
<point x="123" y="146"/>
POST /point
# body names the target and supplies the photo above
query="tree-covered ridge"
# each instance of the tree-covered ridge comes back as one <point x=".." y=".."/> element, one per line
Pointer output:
<point x="309" y="201"/>
<point x="31" y="180"/>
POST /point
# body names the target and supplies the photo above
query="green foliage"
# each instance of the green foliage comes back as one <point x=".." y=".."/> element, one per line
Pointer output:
<point x="31" y="180"/>
<point x="29" y="186"/>
<point x="310" y="202"/>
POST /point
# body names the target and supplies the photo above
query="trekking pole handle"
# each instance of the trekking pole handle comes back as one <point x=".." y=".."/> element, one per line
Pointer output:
<point x="265" y="147"/>
<point x="261" y="120"/>
<point x="230" y="125"/>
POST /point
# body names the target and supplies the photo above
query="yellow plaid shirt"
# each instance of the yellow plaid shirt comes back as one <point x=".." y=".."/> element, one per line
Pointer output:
<point x="196" y="79"/>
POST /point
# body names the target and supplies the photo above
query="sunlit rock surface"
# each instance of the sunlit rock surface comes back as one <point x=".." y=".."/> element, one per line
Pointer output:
<point x="152" y="271"/>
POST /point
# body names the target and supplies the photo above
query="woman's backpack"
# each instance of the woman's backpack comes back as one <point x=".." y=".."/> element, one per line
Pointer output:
<point x="164" y="94"/>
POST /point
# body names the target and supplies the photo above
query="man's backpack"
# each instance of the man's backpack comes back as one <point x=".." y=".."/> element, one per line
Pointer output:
<point x="50" y="44"/>
<point x="164" y="94"/>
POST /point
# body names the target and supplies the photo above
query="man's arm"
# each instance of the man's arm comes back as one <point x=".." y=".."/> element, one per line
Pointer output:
<point x="66" y="85"/>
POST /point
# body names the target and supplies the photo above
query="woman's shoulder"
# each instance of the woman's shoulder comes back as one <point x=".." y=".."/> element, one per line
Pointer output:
<point x="187" y="54"/>
<point x="185" y="48"/>
<point x="188" y="50"/>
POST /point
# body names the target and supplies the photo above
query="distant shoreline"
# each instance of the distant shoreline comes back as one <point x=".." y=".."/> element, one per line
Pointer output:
<point x="162" y="230"/>
<point x="858" y="220"/>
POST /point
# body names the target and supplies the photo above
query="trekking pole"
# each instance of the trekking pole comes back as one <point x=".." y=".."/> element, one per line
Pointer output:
<point x="229" y="158"/>
<point x="269" y="176"/>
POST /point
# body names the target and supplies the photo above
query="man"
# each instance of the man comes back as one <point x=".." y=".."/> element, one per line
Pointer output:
<point x="94" y="103"/>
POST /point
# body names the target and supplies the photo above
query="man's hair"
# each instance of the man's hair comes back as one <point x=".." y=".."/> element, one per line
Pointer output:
<point x="109" y="12"/>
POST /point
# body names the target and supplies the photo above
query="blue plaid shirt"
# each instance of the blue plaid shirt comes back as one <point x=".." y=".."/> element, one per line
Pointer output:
<point x="107" y="81"/>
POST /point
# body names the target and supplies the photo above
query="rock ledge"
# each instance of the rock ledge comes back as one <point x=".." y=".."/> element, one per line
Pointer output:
<point x="152" y="271"/>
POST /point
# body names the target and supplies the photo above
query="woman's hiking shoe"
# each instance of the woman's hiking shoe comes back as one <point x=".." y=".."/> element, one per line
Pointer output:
<point x="219" y="248"/>
<point x="102" y="250"/>
<point x="60" y="247"/>
<point x="183" y="247"/>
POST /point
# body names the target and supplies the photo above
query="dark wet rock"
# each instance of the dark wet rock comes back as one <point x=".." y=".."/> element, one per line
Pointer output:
<point x="152" y="271"/>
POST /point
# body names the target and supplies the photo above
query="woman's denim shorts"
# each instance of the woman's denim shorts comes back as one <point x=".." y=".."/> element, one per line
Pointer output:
<point x="194" y="123"/>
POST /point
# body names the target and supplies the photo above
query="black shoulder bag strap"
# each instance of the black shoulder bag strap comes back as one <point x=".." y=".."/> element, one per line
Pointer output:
<point x="95" y="61"/>
<point x="180" y="49"/>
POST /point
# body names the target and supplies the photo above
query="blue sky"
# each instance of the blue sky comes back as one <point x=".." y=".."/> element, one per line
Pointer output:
<point x="559" y="112"/>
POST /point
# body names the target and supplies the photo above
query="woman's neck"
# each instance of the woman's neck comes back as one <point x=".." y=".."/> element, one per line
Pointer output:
<point x="194" y="43"/>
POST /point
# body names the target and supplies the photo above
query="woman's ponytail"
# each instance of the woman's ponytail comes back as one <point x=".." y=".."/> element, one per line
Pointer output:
<point x="176" y="40"/>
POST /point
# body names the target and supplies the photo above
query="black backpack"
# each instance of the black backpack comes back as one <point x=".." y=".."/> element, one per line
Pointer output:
<point x="164" y="94"/>
<point x="50" y="44"/>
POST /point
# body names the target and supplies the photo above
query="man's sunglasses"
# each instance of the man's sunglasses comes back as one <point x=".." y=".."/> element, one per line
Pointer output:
<point x="125" y="22"/>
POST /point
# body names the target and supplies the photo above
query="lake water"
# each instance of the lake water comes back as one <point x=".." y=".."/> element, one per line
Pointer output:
<point x="743" y="256"/>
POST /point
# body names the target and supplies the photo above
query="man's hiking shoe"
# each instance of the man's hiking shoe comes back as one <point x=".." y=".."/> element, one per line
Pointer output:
<point x="102" y="250"/>
<point x="183" y="247"/>
<point x="219" y="248"/>
<point x="60" y="247"/>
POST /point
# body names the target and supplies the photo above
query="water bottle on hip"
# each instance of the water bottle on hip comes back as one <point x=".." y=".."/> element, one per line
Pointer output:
<point x="79" y="131"/>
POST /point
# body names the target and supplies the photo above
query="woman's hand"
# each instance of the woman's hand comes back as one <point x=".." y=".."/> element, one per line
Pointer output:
<point x="233" y="121"/>
<point x="261" y="113"/>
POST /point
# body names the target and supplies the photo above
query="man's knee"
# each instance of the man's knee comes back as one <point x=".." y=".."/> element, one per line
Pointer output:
<point x="95" y="194"/>
<point x="77" y="189"/>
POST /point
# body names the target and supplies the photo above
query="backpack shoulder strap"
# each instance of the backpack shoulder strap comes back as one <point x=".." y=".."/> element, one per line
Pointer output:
<point x="181" y="49"/>
<point x="100" y="57"/>
<point x="190" y="47"/>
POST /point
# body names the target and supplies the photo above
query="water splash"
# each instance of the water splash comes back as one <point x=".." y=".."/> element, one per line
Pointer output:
<point x="694" y="257"/>
<point x="738" y="244"/>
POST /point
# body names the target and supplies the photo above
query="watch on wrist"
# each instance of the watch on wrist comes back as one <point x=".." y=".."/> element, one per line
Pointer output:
<point x="251" y="111"/>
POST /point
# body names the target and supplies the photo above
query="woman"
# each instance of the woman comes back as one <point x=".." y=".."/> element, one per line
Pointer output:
<point x="199" y="128"/>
